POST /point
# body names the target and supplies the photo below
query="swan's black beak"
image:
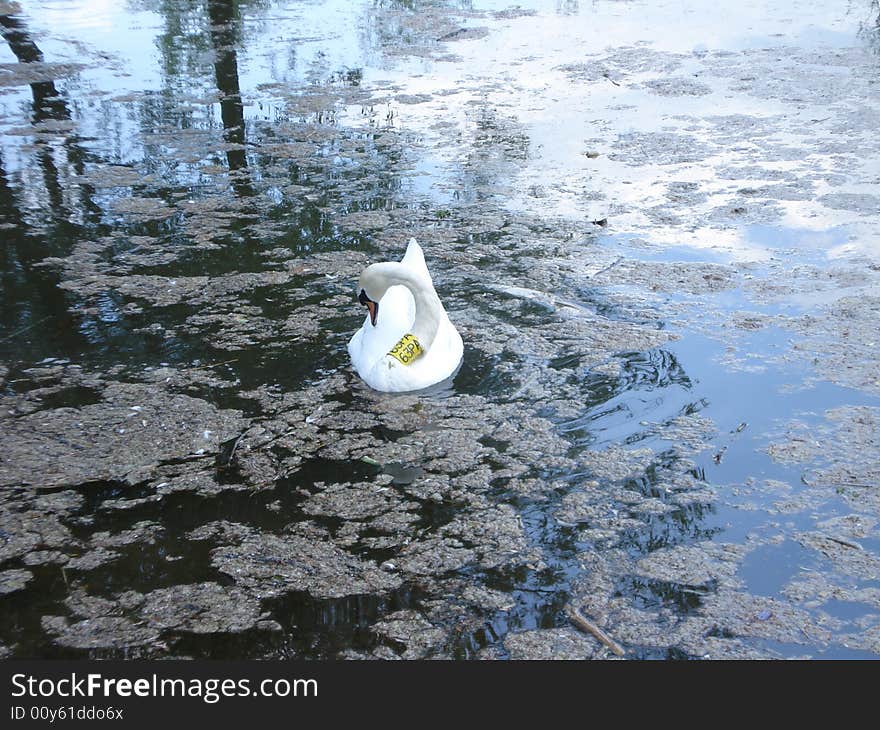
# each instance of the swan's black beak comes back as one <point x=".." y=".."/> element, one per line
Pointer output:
<point x="372" y="307"/>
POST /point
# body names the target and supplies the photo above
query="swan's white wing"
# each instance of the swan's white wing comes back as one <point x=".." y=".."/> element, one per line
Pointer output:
<point x="397" y="310"/>
<point x="414" y="258"/>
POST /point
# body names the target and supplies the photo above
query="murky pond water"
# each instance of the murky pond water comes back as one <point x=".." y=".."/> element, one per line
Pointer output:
<point x="659" y="236"/>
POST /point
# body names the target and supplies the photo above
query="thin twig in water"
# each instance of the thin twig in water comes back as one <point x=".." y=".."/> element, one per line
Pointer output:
<point x="224" y="461"/>
<point x="584" y="624"/>
<point x="214" y="364"/>
<point x="603" y="270"/>
<point x="611" y="80"/>
<point x="25" y="329"/>
<point x="845" y="543"/>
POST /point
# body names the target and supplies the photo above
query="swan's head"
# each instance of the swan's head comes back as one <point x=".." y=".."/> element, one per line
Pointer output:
<point x="373" y="284"/>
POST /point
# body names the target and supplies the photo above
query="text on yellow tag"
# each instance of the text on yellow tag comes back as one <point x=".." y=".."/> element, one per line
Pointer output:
<point x="407" y="349"/>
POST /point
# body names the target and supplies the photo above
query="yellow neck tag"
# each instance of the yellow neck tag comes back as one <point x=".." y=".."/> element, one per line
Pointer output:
<point x="407" y="349"/>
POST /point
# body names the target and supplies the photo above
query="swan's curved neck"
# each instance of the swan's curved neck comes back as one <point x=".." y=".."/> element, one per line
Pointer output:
<point x="429" y="310"/>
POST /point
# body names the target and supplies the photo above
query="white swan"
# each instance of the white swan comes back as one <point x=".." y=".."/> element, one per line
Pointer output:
<point x="407" y="341"/>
